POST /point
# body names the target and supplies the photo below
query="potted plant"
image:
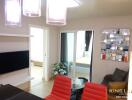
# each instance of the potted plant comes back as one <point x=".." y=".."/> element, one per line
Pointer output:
<point x="59" y="68"/>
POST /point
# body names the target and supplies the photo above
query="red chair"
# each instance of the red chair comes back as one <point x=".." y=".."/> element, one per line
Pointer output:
<point x="93" y="91"/>
<point x="61" y="89"/>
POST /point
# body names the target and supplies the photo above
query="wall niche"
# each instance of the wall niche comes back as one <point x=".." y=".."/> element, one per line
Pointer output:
<point x="115" y="44"/>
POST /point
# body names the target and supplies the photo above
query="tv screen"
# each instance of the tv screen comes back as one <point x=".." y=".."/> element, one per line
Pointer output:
<point x="11" y="61"/>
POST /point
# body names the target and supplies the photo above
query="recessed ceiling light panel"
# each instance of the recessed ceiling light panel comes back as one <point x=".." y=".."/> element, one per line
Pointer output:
<point x="71" y="3"/>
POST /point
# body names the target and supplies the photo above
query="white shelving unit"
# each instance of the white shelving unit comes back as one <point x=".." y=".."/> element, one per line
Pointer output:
<point x="14" y="35"/>
<point x="22" y="75"/>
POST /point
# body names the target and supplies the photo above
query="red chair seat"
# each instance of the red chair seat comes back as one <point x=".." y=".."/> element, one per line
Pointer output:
<point x="93" y="91"/>
<point x="61" y="89"/>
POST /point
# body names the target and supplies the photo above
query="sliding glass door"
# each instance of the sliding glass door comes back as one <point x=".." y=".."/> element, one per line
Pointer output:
<point x="76" y="50"/>
<point x="83" y="54"/>
<point x="67" y="50"/>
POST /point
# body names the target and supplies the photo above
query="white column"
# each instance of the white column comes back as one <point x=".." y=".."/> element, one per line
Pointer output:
<point x="130" y="79"/>
<point x="74" y="58"/>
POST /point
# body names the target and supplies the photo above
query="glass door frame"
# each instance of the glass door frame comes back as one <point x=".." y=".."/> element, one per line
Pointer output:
<point x="74" y="51"/>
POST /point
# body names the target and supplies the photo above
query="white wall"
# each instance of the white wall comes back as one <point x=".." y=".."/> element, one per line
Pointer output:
<point x="53" y="49"/>
<point x="15" y="43"/>
<point x="101" y="68"/>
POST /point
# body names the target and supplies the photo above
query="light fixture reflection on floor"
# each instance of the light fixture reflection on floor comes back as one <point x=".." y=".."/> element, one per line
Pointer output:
<point x="57" y="11"/>
<point x="32" y="8"/>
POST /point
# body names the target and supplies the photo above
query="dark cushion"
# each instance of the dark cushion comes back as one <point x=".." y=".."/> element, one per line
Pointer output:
<point x="119" y="75"/>
<point x="107" y="79"/>
<point x="126" y="78"/>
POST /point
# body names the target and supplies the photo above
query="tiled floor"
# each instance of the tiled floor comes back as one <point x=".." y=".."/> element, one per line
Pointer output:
<point x="36" y="74"/>
<point x="41" y="89"/>
<point x="38" y="86"/>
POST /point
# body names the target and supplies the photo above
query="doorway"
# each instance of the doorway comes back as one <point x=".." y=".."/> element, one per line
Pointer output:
<point x="38" y="51"/>
<point x="83" y="62"/>
<point x="76" y="53"/>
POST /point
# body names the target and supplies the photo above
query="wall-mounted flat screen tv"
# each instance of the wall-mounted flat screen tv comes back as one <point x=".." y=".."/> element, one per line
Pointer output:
<point x="12" y="61"/>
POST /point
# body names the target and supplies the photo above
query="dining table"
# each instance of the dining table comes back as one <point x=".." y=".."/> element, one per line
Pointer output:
<point x="10" y="92"/>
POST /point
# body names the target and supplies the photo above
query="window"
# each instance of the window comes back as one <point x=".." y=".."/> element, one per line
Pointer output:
<point x="13" y="12"/>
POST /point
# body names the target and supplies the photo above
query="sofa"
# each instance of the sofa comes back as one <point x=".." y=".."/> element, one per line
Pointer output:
<point x="116" y="84"/>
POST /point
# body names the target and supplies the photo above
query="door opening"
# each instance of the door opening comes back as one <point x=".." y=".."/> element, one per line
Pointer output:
<point x="83" y="54"/>
<point x="37" y="53"/>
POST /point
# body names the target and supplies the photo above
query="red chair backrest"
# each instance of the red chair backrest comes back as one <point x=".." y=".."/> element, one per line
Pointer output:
<point x="62" y="87"/>
<point x="93" y="91"/>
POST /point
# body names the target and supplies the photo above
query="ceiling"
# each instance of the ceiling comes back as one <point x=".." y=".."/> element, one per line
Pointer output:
<point x="97" y="8"/>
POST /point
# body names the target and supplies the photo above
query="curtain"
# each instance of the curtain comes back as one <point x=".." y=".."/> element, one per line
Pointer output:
<point x="63" y="47"/>
<point x="87" y="39"/>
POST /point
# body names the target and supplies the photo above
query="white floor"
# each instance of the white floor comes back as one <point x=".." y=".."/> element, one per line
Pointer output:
<point x="38" y="86"/>
<point x="36" y="74"/>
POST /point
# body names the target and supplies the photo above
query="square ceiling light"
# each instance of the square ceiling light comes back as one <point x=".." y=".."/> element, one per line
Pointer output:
<point x="32" y="8"/>
<point x="57" y="11"/>
<point x="71" y="3"/>
<point x="13" y="12"/>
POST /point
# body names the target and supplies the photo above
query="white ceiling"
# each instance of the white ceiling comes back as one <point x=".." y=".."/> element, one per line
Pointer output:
<point x="98" y="8"/>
